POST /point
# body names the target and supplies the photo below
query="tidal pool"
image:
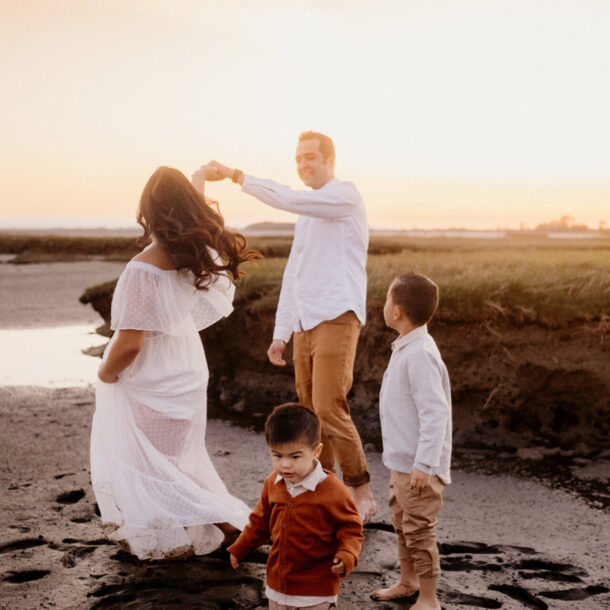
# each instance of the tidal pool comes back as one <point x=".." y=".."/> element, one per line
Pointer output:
<point x="48" y="357"/>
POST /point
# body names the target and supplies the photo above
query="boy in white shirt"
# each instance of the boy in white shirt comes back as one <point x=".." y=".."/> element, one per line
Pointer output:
<point x="415" y="412"/>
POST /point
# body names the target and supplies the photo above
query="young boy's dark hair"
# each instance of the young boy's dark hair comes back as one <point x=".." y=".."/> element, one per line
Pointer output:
<point x="292" y="422"/>
<point x="417" y="295"/>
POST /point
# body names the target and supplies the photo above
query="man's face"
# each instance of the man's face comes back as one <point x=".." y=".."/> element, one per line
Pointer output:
<point x="313" y="169"/>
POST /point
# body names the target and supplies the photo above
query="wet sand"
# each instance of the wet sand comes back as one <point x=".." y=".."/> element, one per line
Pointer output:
<point x="506" y="542"/>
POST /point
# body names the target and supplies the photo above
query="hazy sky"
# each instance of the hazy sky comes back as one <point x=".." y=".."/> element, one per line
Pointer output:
<point x="478" y="113"/>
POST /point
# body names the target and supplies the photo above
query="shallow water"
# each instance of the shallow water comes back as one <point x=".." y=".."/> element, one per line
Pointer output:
<point x="48" y="357"/>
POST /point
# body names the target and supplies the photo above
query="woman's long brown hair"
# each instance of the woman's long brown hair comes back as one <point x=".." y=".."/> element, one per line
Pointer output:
<point x="186" y="226"/>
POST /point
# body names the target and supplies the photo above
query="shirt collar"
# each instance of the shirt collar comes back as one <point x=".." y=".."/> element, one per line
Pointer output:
<point x="311" y="481"/>
<point x="399" y="343"/>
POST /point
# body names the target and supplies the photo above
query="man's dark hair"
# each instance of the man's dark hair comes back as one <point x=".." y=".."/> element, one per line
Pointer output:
<point x="327" y="147"/>
<point x="417" y="295"/>
<point x="291" y="423"/>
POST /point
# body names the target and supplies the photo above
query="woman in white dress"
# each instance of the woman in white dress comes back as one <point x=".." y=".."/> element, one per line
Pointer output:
<point x="158" y="492"/>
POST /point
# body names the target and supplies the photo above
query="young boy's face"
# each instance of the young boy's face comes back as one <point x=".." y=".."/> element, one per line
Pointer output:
<point x="294" y="461"/>
<point x="389" y="309"/>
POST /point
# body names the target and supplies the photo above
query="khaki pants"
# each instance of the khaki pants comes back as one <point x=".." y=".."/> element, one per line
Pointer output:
<point x="323" y="369"/>
<point x="324" y="606"/>
<point x="414" y="513"/>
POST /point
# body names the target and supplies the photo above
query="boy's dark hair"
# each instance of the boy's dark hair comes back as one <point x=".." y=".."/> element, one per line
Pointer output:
<point x="327" y="146"/>
<point x="291" y="422"/>
<point x="417" y="295"/>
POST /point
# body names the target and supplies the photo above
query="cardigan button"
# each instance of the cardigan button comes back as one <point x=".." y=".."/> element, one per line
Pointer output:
<point x="289" y="503"/>
<point x="283" y="525"/>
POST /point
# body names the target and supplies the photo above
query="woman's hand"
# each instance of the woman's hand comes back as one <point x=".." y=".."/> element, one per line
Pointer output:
<point x="206" y="173"/>
<point x="123" y="352"/>
<point x="103" y="376"/>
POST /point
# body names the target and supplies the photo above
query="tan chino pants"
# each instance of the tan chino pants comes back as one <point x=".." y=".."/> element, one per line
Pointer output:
<point x="323" y="369"/>
<point x="414" y="513"/>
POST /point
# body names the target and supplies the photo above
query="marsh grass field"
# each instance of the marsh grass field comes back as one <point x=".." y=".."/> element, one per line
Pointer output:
<point x="550" y="281"/>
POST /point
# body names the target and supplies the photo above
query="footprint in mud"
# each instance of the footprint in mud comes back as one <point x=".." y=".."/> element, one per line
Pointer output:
<point x="576" y="594"/>
<point x="74" y="555"/>
<point x="22" y="576"/>
<point x="471" y="601"/>
<point x="182" y="585"/>
<point x="516" y="572"/>
<point x="460" y="564"/>
<point x="23" y="543"/>
<point x="521" y="595"/>
<point x="82" y="519"/>
<point x="70" y="497"/>
<point x="22" y="529"/>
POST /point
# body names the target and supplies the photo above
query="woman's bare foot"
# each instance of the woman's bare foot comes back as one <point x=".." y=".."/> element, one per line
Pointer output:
<point x="398" y="591"/>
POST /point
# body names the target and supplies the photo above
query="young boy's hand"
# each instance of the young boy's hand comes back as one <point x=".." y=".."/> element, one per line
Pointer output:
<point x="234" y="562"/>
<point x="419" y="479"/>
<point x="338" y="566"/>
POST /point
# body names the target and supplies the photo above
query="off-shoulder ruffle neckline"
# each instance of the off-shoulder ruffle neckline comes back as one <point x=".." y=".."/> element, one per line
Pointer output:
<point x="150" y="266"/>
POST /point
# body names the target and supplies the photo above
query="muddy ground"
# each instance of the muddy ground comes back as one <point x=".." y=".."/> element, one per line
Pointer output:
<point x="506" y="542"/>
<point x="523" y="525"/>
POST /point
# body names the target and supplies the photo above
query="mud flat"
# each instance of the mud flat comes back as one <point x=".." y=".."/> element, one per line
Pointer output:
<point x="506" y="542"/>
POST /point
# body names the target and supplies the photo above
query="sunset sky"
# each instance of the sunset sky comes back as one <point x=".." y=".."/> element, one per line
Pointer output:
<point x="445" y="113"/>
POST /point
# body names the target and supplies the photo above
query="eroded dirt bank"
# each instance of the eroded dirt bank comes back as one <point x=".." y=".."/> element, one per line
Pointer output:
<point x="513" y="385"/>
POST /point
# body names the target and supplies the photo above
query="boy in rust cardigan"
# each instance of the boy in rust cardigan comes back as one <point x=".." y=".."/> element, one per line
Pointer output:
<point x="309" y="514"/>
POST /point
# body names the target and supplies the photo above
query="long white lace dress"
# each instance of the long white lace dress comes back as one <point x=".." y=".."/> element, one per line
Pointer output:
<point x="157" y="489"/>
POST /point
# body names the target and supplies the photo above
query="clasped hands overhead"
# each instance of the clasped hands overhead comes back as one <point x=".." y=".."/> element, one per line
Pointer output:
<point x="210" y="172"/>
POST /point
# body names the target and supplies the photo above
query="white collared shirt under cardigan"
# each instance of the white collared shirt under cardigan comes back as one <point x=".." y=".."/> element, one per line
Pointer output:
<point x="325" y="275"/>
<point x="415" y="407"/>
<point x="309" y="483"/>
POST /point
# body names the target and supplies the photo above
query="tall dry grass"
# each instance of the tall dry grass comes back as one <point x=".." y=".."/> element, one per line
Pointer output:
<point x="537" y="280"/>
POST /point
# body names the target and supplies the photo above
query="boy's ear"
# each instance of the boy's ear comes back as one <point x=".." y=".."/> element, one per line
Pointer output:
<point x="317" y="451"/>
<point x="398" y="312"/>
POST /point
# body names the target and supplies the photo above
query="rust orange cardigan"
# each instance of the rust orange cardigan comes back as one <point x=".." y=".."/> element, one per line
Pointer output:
<point x="308" y="532"/>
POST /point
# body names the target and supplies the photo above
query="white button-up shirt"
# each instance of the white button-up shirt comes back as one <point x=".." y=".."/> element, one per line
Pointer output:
<point x="326" y="271"/>
<point x="415" y="407"/>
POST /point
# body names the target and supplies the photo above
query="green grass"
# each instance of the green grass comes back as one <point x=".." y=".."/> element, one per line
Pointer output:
<point x="542" y="280"/>
<point x="522" y="278"/>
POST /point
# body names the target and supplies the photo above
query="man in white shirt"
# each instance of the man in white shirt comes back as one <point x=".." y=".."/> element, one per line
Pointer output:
<point x="323" y="297"/>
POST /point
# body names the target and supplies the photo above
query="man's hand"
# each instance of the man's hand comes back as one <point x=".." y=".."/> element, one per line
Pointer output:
<point x="419" y="479"/>
<point x="224" y="171"/>
<point x="275" y="351"/>
<point x="338" y="566"/>
<point x="234" y="562"/>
